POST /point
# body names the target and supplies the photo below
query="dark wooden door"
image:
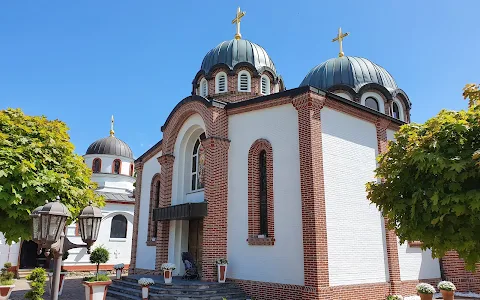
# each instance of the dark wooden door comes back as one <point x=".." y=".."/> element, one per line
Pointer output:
<point x="195" y="241"/>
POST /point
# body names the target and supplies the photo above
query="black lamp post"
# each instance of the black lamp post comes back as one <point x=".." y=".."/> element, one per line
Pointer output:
<point x="48" y="231"/>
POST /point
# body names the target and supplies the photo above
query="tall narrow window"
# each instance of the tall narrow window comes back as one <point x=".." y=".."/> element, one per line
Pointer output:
<point x="117" y="166"/>
<point x="265" y="85"/>
<point x="244" y="81"/>
<point x="131" y="170"/>
<point x="396" y="111"/>
<point x="97" y="165"/>
<point x="157" y="201"/>
<point x="203" y="87"/>
<point x="198" y="166"/>
<point x="221" y="82"/>
<point x="119" y="227"/>
<point x="371" y="103"/>
<point x="263" y="193"/>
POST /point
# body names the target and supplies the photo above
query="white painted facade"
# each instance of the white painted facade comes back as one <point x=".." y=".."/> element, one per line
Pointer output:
<point x="8" y="253"/>
<point x="355" y="228"/>
<point x="283" y="262"/>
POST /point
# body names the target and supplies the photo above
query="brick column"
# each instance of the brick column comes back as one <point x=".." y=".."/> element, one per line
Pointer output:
<point x="138" y="192"/>
<point x="390" y="236"/>
<point x="315" y="249"/>
<point x="216" y="194"/>
<point x="166" y="161"/>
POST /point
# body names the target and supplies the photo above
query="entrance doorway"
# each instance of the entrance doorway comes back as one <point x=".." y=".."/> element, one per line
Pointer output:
<point x="195" y="241"/>
<point x="29" y="258"/>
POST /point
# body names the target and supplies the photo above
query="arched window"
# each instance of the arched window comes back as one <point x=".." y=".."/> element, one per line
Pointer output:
<point x="265" y="85"/>
<point x="371" y="103"/>
<point x="119" y="227"/>
<point x="117" y="166"/>
<point x="244" y="81"/>
<point x="203" y="88"/>
<point x="396" y="111"/>
<point x="220" y="83"/>
<point x="198" y="166"/>
<point x="263" y="192"/>
<point x="97" y="165"/>
<point x="131" y="170"/>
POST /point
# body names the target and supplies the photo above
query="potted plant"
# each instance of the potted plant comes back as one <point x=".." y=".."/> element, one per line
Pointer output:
<point x="37" y="279"/>
<point x="118" y="270"/>
<point x="222" y="264"/>
<point x="394" y="297"/>
<point x="6" y="281"/>
<point x="145" y="283"/>
<point x="447" y="289"/>
<point x="63" y="274"/>
<point x="96" y="287"/>
<point x="425" y="291"/>
<point x="167" y="272"/>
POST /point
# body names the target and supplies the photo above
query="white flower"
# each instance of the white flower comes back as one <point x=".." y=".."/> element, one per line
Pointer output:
<point x="146" y="281"/>
<point x="446" y="286"/>
<point x="119" y="266"/>
<point x="222" y="261"/>
<point x="168" y="266"/>
<point x="425" y="288"/>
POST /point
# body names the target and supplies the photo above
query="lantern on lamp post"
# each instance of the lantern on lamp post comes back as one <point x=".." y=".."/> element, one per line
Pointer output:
<point x="89" y="224"/>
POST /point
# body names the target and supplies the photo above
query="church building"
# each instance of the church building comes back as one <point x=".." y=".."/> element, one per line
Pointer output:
<point x="274" y="180"/>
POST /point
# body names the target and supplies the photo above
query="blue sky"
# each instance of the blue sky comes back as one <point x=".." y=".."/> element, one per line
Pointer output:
<point x="82" y="61"/>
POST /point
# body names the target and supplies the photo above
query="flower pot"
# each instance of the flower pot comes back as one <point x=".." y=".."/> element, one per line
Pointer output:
<point x="145" y="292"/>
<point x="118" y="273"/>
<point x="425" y="296"/>
<point x="167" y="276"/>
<point x="5" y="291"/>
<point x="96" y="290"/>
<point x="222" y="273"/>
<point x="60" y="284"/>
<point x="447" y="295"/>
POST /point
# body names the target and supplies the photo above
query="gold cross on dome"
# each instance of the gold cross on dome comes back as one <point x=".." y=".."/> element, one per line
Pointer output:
<point x="238" y="17"/>
<point x="340" y="38"/>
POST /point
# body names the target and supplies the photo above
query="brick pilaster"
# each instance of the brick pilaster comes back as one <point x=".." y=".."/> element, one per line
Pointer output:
<point x="390" y="236"/>
<point x="315" y="249"/>
<point x="166" y="172"/>
<point x="216" y="194"/>
<point x="138" y="192"/>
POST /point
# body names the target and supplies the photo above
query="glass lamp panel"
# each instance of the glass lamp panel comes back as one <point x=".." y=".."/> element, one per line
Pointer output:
<point x="36" y="228"/>
<point x="53" y="228"/>
<point x="44" y="220"/>
<point x="95" y="228"/>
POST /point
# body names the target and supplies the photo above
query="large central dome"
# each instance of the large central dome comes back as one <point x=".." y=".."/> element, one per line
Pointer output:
<point x="110" y="145"/>
<point x="234" y="52"/>
<point x="348" y="71"/>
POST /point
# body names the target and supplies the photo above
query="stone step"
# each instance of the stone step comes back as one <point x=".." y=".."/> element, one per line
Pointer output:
<point x="185" y="285"/>
<point x="134" y="291"/>
<point x="207" y="287"/>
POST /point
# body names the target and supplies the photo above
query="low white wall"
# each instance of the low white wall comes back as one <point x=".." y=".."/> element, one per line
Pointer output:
<point x="8" y="253"/>
<point x="355" y="230"/>
<point x="283" y="262"/>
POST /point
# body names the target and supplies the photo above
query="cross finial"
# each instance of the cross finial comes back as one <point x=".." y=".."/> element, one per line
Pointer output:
<point x="238" y="16"/>
<point x="340" y="38"/>
<point x="112" y="133"/>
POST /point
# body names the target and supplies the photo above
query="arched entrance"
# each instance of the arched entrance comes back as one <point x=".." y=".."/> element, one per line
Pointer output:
<point x="29" y="258"/>
<point x="195" y="241"/>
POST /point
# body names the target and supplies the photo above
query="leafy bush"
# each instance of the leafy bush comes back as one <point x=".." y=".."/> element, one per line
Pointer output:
<point x="98" y="277"/>
<point x="99" y="255"/>
<point x="6" y="277"/>
<point x="394" y="297"/>
<point x="446" y="286"/>
<point x="38" y="277"/>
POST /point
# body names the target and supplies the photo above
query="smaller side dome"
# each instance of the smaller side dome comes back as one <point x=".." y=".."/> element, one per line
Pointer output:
<point x="110" y="145"/>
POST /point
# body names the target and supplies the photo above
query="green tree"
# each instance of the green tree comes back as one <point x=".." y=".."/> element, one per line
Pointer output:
<point x="472" y="93"/>
<point x="38" y="277"/>
<point x="430" y="187"/>
<point x="99" y="255"/>
<point x="37" y="163"/>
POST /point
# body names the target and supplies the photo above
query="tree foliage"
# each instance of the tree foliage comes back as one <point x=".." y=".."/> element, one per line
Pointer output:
<point x="37" y="163"/>
<point x="430" y="187"/>
<point x="38" y="277"/>
<point x="99" y="255"/>
<point x="472" y="93"/>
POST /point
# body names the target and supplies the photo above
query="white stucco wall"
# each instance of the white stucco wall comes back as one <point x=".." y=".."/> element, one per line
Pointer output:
<point x="8" y="253"/>
<point x="355" y="230"/>
<point x="414" y="263"/>
<point x="120" y="249"/>
<point x="146" y="254"/>
<point x="283" y="262"/>
<point x="107" y="161"/>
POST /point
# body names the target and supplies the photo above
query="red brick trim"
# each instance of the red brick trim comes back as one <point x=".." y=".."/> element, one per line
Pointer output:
<point x="153" y="204"/>
<point x="312" y="191"/>
<point x="390" y="236"/>
<point x="254" y="191"/>
<point x="113" y="166"/>
<point x="138" y="194"/>
<point x="77" y="229"/>
<point x="93" y="164"/>
<point x="454" y="270"/>
<point x="119" y="202"/>
<point x="415" y="244"/>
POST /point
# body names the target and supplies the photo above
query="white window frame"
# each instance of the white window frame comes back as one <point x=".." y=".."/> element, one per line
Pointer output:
<point x="195" y="157"/>
<point x="400" y="109"/>
<point x="267" y="88"/>
<point x="217" y="81"/>
<point x="380" y="101"/>
<point x="203" y="88"/>
<point x="249" y="81"/>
